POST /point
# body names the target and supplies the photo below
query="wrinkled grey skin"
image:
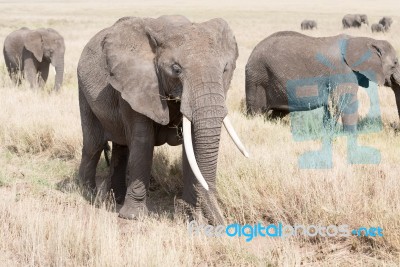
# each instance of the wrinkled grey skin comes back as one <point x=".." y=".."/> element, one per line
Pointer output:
<point x="386" y="22"/>
<point x="126" y="75"/>
<point x="288" y="56"/>
<point x="28" y="53"/>
<point x="308" y="25"/>
<point x="377" y="27"/>
<point x="354" y="20"/>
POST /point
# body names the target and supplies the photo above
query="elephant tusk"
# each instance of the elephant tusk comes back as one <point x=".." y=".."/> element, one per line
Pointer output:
<point x="229" y="128"/>
<point x="187" y="142"/>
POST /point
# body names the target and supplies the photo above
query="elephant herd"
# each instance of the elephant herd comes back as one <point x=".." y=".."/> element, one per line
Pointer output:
<point x="145" y="82"/>
<point x="354" y="21"/>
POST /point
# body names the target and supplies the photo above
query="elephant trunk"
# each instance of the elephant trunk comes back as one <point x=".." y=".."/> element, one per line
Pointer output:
<point x="208" y="113"/>
<point x="201" y="139"/>
<point x="59" y="66"/>
<point x="204" y="112"/>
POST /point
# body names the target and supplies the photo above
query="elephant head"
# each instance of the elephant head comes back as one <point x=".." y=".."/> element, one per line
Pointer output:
<point x="47" y="44"/>
<point x="376" y="60"/>
<point x="386" y="22"/>
<point x="364" y="19"/>
<point x="189" y="62"/>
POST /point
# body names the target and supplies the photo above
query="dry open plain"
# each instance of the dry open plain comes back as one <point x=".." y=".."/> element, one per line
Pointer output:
<point x="45" y="221"/>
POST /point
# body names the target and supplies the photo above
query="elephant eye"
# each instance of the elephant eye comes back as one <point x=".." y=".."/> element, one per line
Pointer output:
<point x="226" y="68"/>
<point x="176" y="69"/>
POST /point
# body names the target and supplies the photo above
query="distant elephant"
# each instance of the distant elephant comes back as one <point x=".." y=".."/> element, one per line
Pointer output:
<point x="377" y="27"/>
<point x="28" y="53"/>
<point x="145" y="82"/>
<point x="308" y="24"/>
<point x="354" y="20"/>
<point x="386" y="22"/>
<point x="338" y="63"/>
<point x="364" y="19"/>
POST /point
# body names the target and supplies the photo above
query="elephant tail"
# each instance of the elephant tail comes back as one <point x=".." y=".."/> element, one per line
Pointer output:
<point x="107" y="151"/>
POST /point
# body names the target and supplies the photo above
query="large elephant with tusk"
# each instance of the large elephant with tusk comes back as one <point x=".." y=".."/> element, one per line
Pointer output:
<point x="144" y="82"/>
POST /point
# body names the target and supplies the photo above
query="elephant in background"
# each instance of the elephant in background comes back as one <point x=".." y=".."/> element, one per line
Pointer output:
<point x="144" y="82"/>
<point x="354" y="20"/>
<point x="291" y="56"/>
<point x="28" y="53"/>
<point x="386" y="22"/>
<point x="377" y="27"/>
<point x="364" y="19"/>
<point x="308" y="24"/>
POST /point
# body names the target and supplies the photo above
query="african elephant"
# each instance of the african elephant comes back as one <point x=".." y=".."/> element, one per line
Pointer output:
<point x="340" y="62"/>
<point x="354" y="20"/>
<point x="377" y="27"/>
<point x="386" y="22"/>
<point x="364" y="19"/>
<point x="28" y="53"/>
<point x="142" y="82"/>
<point x="308" y="24"/>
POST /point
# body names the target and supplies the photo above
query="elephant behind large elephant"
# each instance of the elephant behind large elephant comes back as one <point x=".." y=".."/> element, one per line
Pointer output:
<point x="28" y="53"/>
<point x="377" y="27"/>
<point x="308" y="25"/>
<point x="140" y="82"/>
<point x="386" y="22"/>
<point x="290" y="56"/>
<point x="354" y="20"/>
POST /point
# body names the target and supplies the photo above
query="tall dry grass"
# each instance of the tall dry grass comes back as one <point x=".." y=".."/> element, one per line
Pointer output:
<point x="45" y="221"/>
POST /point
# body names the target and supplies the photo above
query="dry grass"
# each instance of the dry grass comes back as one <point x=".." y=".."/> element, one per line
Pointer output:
<point x="45" y="221"/>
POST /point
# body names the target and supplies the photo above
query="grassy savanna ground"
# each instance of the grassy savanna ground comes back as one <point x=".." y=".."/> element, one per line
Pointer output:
<point x="45" y="221"/>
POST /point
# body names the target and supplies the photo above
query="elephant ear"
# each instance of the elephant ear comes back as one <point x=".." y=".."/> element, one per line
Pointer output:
<point x="130" y="62"/>
<point x="33" y="42"/>
<point x="363" y="55"/>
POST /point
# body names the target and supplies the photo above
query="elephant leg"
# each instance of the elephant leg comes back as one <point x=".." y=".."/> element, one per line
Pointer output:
<point x="141" y="140"/>
<point x="329" y="121"/>
<point x="14" y="74"/>
<point x="119" y="160"/>
<point x="31" y="72"/>
<point x="348" y="106"/>
<point x="356" y="154"/>
<point x="93" y="144"/>
<point x="87" y="169"/>
<point x="44" y="73"/>
<point x="11" y="69"/>
<point x="256" y="98"/>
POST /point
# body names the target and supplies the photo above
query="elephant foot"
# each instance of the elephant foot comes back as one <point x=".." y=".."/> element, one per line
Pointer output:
<point x="208" y="212"/>
<point x="187" y="211"/>
<point x="361" y="154"/>
<point x="133" y="210"/>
